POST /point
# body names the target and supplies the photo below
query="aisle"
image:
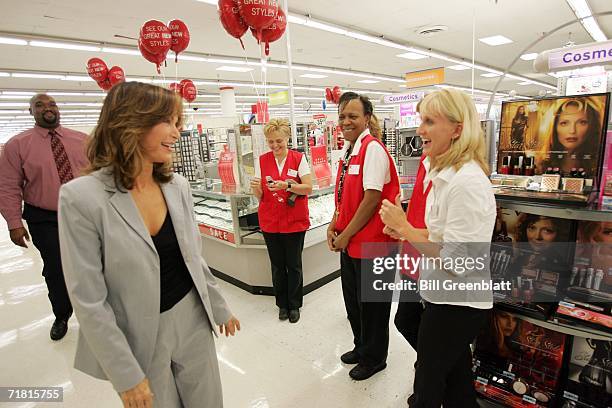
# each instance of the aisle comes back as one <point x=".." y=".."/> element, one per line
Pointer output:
<point x="269" y="364"/>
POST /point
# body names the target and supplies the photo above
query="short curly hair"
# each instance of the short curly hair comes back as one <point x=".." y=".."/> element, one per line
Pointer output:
<point x="278" y="125"/>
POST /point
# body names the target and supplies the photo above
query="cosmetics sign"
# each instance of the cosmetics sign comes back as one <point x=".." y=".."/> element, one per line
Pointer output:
<point x="597" y="53"/>
<point x="403" y="98"/>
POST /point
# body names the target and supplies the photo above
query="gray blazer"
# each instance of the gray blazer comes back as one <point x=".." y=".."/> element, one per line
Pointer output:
<point x="112" y="274"/>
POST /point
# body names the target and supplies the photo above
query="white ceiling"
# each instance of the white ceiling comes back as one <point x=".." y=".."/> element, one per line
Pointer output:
<point x="523" y="21"/>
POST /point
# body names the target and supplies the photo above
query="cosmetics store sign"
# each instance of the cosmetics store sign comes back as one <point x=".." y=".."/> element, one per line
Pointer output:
<point x="403" y="98"/>
<point x="599" y="53"/>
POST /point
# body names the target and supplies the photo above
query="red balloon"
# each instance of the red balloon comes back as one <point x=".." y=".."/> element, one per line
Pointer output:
<point x="231" y="19"/>
<point x="116" y="75"/>
<point x="336" y="93"/>
<point x="176" y="87"/>
<point x="258" y="16"/>
<point x="180" y="36"/>
<point x="105" y="84"/>
<point x="97" y="69"/>
<point x="273" y="32"/>
<point x="157" y="59"/>
<point x="188" y="90"/>
<point x="328" y="95"/>
<point x="155" y="37"/>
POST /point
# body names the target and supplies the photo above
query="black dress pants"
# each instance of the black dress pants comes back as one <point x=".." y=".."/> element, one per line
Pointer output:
<point x="285" y="252"/>
<point x="45" y="237"/>
<point x="408" y="316"/>
<point x="369" y="320"/>
<point x="444" y="372"/>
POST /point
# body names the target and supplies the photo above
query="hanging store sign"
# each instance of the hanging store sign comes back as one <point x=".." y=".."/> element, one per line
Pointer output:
<point x="403" y="98"/>
<point x="425" y="78"/>
<point x="278" y="98"/>
<point x="597" y="83"/>
<point x="559" y="59"/>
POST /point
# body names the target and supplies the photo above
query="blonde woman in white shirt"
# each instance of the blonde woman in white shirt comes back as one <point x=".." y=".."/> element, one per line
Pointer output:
<point x="460" y="216"/>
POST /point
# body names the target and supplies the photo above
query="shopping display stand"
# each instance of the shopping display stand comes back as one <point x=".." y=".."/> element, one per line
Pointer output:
<point x="548" y="342"/>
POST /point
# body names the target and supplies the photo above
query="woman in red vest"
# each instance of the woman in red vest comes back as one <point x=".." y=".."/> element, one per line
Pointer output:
<point x="283" y="192"/>
<point x="366" y="176"/>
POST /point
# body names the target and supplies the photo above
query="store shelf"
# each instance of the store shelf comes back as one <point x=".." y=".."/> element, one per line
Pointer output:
<point x="549" y="210"/>
<point x="571" y="330"/>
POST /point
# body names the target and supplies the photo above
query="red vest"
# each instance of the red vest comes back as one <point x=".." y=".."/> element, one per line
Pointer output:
<point x="416" y="214"/>
<point x="352" y="195"/>
<point x="275" y="216"/>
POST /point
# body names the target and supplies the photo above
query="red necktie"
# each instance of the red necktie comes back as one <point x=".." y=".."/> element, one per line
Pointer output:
<point x="64" y="170"/>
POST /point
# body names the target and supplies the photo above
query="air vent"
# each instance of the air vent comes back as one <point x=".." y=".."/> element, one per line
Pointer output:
<point x="431" y="30"/>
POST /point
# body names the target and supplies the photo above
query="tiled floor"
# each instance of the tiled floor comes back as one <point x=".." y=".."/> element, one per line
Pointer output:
<point x="269" y="364"/>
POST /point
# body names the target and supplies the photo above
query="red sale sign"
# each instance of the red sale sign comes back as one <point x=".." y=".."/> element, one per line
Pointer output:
<point x="217" y="233"/>
<point x="320" y="165"/>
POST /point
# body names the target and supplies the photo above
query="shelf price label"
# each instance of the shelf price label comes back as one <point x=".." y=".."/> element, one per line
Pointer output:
<point x="217" y="233"/>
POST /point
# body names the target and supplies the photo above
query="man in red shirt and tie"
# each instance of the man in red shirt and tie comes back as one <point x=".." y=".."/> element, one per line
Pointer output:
<point x="33" y="166"/>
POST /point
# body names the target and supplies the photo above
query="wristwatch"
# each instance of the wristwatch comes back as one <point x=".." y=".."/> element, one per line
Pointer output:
<point x="289" y="184"/>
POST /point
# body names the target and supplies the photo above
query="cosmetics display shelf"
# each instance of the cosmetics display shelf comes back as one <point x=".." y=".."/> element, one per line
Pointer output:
<point x="591" y="213"/>
<point x="566" y="329"/>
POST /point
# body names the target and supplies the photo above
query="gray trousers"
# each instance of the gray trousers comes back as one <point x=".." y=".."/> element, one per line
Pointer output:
<point x="185" y="371"/>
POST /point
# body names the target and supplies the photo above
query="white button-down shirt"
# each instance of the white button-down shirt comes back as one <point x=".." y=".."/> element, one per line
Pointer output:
<point x="460" y="210"/>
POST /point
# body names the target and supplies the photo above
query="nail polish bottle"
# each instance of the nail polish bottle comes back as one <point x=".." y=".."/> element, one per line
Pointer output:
<point x="505" y="165"/>
<point x="573" y="275"/>
<point x="598" y="277"/>
<point x="549" y="170"/>
<point x="589" y="278"/>
<point x="528" y="293"/>
<point x="573" y="173"/>
<point x="529" y="166"/>
<point x="518" y="167"/>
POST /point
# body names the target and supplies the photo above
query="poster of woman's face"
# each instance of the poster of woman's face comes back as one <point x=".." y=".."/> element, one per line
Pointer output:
<point x="563" y="133"/>
<point x="594" y="249"/>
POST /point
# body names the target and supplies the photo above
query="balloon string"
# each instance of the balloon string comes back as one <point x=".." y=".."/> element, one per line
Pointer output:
<point x="246" y="58"/>
<point x="176" y="70"/>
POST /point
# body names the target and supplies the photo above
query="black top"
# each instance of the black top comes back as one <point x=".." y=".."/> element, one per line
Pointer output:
<point x="176" y="282"/>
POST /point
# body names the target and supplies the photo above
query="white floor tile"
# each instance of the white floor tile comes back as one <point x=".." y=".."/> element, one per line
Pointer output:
<point x="269" y="364"/>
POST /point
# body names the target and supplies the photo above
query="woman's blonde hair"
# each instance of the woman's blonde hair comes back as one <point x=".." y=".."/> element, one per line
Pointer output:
<point x="278" y="125"/>
<point x="129" y="112"/>
<point x="459" y="108"/>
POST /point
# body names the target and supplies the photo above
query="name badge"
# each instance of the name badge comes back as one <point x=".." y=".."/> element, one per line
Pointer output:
<point x="353" y="169"/>
<point x="292" y="173"/>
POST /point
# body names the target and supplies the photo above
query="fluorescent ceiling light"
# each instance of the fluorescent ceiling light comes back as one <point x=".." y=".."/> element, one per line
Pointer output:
<point x="582" y="10"/>
<point x="19" y="93"/>
<point x="458" y="67"/>
<point x="64" y="46"/>
<point x="313" y="76"/>
<point x="412" y="55"/>
<point x="594" y="30"/>
<point x="368" y="81"/>
<point x="211" y="2"/>
<point x="38" y="76"/>
<point x="325" y="27"/>
<point x="529" y="57"/>
<point x="12" y="41"/>
<point x="15" y="97"/>
<point x="78" y="78"/>
<point x="4" y="74"/>
<point x="495" y="40"/>
<point x="234" y="69"/>
<point x="490" y="75"/>
<point x="15" y="104"/>
<point x="525" y="83"/>
<point x="115" y="50"/>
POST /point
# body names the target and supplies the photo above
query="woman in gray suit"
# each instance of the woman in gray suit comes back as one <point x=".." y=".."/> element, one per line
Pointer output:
<point x="146" y="301"/>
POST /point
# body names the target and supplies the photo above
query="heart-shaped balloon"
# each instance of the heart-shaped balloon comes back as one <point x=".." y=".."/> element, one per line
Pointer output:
<point x="231" y="20"/>
<point x="155" y="37"/>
